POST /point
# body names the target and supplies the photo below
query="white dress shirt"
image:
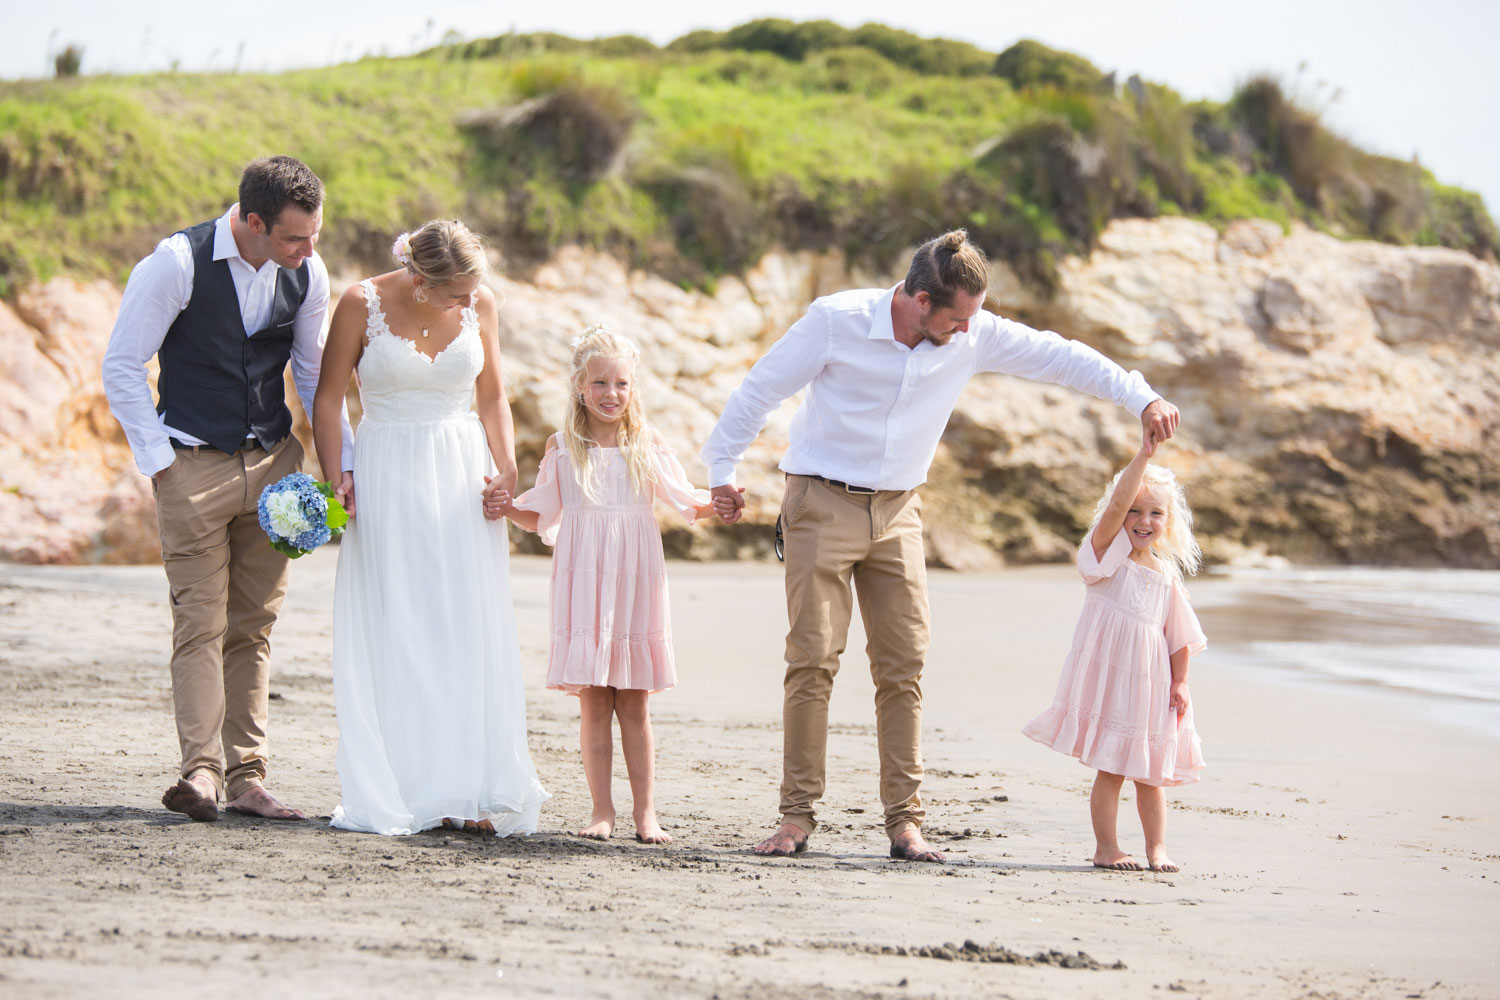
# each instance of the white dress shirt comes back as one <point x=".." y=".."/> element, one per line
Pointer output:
<point x="159" y="288"/>
<point x="875" y="409"/>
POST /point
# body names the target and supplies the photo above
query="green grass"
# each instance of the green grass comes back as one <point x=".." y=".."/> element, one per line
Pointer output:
<point x="693" y="158"/>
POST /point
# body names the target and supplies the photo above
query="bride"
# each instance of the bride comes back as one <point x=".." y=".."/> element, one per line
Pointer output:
<point x="426" y="670"/>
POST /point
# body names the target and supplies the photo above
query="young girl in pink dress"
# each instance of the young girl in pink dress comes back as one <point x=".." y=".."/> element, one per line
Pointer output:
<point x="1122" y="703"/>
<point x="611" y="632"/>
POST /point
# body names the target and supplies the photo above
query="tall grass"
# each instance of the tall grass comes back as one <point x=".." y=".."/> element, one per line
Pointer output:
<point x="693" y="158"/>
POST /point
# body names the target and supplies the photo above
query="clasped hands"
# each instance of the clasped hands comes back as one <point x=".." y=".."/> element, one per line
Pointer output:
<point x="496" y="495"/>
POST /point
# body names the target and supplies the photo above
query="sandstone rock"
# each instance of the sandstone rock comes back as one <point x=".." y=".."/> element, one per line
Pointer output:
<point x="1341" y="401"/>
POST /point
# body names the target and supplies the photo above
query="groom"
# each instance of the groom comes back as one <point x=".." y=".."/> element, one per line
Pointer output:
<point x="223" y="305"/>
<point x="883" y="370"/>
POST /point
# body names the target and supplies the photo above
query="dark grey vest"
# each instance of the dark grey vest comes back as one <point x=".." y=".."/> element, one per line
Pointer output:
<point x="216" y="383"/>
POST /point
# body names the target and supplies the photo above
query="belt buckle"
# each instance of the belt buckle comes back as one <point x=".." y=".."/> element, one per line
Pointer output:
<point x="859" y="490"/>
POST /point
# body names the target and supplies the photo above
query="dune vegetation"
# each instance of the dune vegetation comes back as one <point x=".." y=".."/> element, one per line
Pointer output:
<point x="691" y="159"/>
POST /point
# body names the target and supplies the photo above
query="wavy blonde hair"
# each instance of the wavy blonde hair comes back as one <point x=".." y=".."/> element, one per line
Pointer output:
<point x="635" y="438"/>
<point x="1178" y="548"/>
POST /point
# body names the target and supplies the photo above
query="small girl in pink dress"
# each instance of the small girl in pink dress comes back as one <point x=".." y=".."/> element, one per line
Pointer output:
<point x="1122" y="703"/>
<point x="611" y="630"/>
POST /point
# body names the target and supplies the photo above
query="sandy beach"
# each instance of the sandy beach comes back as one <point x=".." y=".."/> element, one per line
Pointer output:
<point x="1341" y="844"/>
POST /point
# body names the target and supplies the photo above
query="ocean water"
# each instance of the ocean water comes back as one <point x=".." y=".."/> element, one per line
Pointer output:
<point x="1428" y="634"/>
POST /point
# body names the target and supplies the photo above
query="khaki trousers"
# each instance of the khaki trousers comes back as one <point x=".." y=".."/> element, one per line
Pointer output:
<point x="226" y="585"/>
<point x="832" y="537"/>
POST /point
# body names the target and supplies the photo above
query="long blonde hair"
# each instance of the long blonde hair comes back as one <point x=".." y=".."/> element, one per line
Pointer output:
<point x="635" y="438"/>
<point x="1177" y="548"/>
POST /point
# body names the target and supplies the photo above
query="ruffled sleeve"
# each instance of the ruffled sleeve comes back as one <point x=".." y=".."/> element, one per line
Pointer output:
<point x="673" y="488"/>
<point x="1182" y="623"/>
<point x="545" y="498"/>
<point x="1095" y="570"/>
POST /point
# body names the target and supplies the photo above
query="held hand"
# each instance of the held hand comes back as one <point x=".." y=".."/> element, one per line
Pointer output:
<point x="495" y="497"/>
<point x="728" y="503"/>
<point x="1179" y="699"/>
<point x="344" y="492"/>
<point x="1158" y="423"/>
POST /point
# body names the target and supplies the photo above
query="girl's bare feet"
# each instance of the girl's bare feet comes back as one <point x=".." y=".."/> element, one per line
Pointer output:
<point x="648" y="831"/>
<point x="1116" y="860"/>
<point x="1161" y="863"/>
<point x="600" y="827"/>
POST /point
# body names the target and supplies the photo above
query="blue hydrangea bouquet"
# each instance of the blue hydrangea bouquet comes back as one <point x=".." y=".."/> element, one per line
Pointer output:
<point x="298" y="514"/>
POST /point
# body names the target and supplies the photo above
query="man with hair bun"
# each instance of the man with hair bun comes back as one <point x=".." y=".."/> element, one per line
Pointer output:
<point x="883" y="369"/>
<point x="225" y="306"/>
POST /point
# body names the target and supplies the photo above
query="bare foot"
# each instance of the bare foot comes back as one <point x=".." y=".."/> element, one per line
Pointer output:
<point x="910" y="846"/>
<point x="786" y="841"/>
<point x="1162" y="863"/>
<point x="485" y="826"/>
<point x="256" y="801"/>
<point x="648" y="831"/>
<point x="1116" y="860"/>
<point x="600" y="827"/>
<point x="196" y="799"/>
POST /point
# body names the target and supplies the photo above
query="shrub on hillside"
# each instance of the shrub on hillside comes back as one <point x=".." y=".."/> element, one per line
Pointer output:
<point x="933" y="56"/>
<point x="1029" y="64"/>
<point x="788" y="39"/>
<point x="850" y="71"/>
<point x="68" y="62"/>
<point x="573" y="134"/>
<point x="711" y="215"/>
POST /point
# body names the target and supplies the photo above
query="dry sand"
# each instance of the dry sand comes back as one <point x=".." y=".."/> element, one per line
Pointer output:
<point x="1341" y="845"/>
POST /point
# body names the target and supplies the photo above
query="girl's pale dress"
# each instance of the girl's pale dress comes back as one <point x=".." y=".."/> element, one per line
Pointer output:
<point x="610" y="622"/>
<point x="1111" y="709"/>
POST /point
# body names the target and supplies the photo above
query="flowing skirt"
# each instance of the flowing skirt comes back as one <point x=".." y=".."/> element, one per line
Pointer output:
<point x="426" y="670"/>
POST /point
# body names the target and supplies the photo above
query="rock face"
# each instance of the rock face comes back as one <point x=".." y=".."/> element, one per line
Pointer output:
<point x="1340" y="401"/>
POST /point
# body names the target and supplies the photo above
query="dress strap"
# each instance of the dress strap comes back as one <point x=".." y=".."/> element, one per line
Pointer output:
<point x="375" y="323"/>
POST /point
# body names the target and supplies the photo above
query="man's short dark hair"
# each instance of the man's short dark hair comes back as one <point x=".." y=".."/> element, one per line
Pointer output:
<point x="271" y="183"/>
<point x="944" y="266"/>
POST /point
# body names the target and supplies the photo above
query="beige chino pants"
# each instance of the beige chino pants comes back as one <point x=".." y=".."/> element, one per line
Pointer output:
<point x="226" y="585"/>
<point x="834" y="537"/>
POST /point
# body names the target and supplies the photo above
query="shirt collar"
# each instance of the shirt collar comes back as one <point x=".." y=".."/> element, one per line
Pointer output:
<point x="225" y="248"/>
<point x="880" y="321"/>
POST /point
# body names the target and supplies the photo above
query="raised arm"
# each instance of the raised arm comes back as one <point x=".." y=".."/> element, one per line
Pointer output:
<point x="1120" y="501"/>
<point x="341" y="352"/>
<point x="1041" y="355"/>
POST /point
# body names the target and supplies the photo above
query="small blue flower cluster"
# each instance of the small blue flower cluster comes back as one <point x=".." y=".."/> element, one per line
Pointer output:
<point x="314" y="508"/>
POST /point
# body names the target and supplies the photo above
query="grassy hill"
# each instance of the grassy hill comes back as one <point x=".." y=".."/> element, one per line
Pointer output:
<point x="693" y="158"/>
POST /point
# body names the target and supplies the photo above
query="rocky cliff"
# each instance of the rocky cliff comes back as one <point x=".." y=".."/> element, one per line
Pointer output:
<point x="1341" y="400"/>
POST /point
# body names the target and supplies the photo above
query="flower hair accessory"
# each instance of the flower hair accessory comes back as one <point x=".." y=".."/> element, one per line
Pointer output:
<point x="588" y="332"/>
<point x="401" y="249"/>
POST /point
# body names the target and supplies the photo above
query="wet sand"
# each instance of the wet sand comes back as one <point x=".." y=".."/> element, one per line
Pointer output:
<point x="1341" y="845"/>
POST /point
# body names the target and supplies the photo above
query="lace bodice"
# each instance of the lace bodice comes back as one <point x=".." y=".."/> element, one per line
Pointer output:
<point x="397" y="382"/>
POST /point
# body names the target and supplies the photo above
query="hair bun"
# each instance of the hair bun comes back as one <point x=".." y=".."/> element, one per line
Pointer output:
<point x="955" y="240"/>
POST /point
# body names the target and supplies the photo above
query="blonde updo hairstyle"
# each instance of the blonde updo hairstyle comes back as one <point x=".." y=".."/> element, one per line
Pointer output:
<point x="441" y="251"/>
<point x="1177" y="548"/>
<point x="634" y="436"/>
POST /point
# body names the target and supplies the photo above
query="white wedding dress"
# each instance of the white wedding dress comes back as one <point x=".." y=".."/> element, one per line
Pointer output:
<point x="426" y="670"/>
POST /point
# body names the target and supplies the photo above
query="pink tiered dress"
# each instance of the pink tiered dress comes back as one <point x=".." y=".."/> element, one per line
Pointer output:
<point x="611" y="625"/>
<point x="1111" y="709"/>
